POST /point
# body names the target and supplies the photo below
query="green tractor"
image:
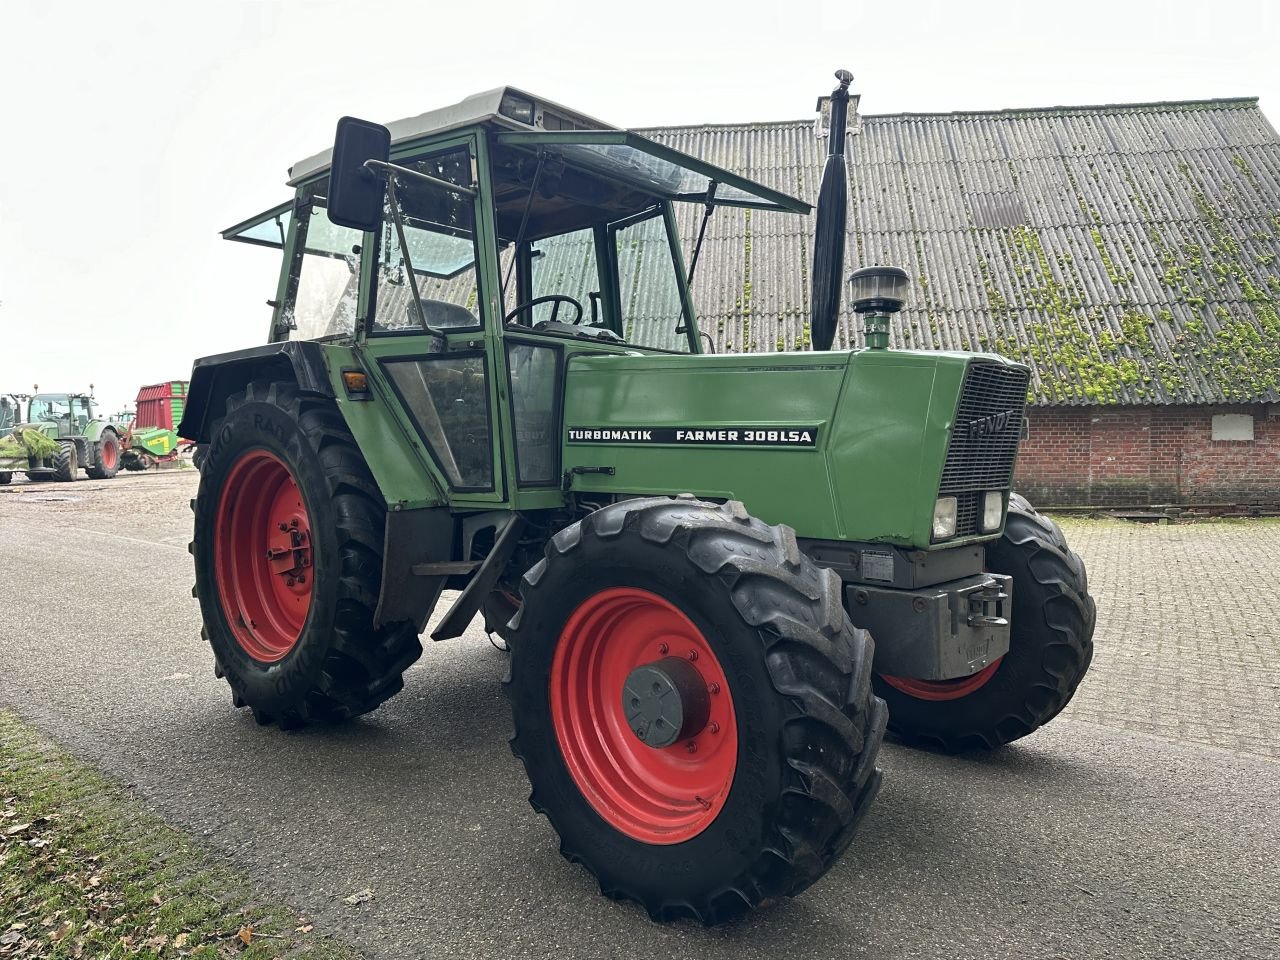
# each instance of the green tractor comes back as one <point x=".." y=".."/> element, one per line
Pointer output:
<point x="71" y="437"/>
<point x="484" y="374"/>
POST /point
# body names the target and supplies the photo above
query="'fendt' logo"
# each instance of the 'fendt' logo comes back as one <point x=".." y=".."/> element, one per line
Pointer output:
<point x="989" y="426"/>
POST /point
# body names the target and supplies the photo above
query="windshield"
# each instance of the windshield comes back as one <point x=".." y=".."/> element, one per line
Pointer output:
<point x="49" y="408"/>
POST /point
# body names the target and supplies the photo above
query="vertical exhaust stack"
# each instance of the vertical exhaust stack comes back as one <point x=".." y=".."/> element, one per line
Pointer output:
<point x="829" y="232"/>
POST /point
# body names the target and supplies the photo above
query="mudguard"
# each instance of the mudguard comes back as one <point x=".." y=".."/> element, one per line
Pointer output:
<point x="215" y="378"/>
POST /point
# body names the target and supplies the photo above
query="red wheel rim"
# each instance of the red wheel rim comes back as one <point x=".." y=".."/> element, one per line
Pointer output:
<point x="109" y="454"/>
<point x="943" y="689"/>
<point x="262" y="556"/>
<point x="654" y="795"/>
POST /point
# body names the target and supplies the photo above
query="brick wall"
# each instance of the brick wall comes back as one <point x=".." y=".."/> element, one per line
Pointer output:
<point x="1127" y="456"/>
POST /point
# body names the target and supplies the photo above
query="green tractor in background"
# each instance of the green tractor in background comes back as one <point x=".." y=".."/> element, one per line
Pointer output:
<point x="10" y="412"/>
<point x="60" y="435"/>
<point x="484" y="374"/>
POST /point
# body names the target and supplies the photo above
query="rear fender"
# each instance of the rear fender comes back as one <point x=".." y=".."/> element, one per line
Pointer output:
<point x="215" y="378"/>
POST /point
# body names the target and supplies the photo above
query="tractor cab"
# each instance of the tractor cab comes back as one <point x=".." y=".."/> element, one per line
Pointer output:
<point x="468" y="254"/>
<point x="10" y="412"/>
<point x="69" y="413"/>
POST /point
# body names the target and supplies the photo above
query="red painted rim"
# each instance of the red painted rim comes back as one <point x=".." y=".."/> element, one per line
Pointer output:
<point x="943" y="689"/>
<point x="262" y="556"/>
<point x="658" y="796"/>
<point x="109" y="453"/>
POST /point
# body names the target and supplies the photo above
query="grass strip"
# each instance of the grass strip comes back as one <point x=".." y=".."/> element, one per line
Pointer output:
<point x="87" y="873"/>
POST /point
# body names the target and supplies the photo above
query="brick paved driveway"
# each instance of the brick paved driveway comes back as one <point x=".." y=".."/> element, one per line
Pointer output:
<point x="1188" y="640"/>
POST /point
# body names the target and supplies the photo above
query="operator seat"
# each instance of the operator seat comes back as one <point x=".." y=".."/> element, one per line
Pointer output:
<point x="441" y="315"/>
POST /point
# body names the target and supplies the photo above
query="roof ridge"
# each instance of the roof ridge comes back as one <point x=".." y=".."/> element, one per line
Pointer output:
<point x="1178" y="105"/>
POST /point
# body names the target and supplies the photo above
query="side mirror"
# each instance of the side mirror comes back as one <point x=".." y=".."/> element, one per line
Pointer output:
<point x="355" y="193"/>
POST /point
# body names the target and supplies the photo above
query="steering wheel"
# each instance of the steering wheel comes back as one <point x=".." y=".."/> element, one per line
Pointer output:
<point x="556" y="298"/>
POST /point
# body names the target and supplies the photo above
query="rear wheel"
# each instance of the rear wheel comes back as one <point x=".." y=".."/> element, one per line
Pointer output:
<point x="1050" y="647"/>
<point x="288" y="554"/>
<point x="66" y="466"/>
<point x="108" y="464"/>
<point x="692" y="706"/>
<point x="5" y="477"/>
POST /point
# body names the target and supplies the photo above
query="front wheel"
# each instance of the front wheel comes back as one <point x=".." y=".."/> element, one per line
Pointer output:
<point x="1050" y="647"/>
<point x="288" y="555"/>
<point x="108" y="464"/>
<point x="66" y="466"/>
<point x="692" y="706"/>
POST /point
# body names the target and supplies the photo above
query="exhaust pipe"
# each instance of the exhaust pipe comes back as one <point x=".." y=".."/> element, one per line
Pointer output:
<point x="829" y="231"/>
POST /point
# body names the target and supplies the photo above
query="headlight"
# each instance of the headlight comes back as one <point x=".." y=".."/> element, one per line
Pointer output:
<point x="944" y="518"/>
<point x="992" y="510"/>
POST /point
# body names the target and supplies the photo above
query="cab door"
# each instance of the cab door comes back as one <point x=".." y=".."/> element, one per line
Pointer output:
<point x="429" y="332"/>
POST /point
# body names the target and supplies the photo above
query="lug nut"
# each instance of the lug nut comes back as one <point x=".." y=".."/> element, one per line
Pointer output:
<point x="693" y="655"/>
<point x="290" y="581"/>
<point x="714" y="727"/>
<point x="693" y="747"/>
<point x="663" y="649"/>
<point x="283" y="527"/>
<point x="714" y="688"/>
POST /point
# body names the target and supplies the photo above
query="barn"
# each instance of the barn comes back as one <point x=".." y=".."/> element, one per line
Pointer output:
<point x="1129" y="254"/>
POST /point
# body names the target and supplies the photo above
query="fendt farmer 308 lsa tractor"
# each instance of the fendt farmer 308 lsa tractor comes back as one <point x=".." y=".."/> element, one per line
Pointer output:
<point x="484" y="374"/>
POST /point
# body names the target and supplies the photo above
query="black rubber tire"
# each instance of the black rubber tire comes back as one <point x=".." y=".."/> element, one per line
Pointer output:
<point x="1050" y="646"/>
<point x="66" y="465"/>
<point x="5" y="477"/>
<point x="99" y="471"/>
<point x="198" y="455"/>
<point x="796" y="667"/>
<point x="341" y="666"/>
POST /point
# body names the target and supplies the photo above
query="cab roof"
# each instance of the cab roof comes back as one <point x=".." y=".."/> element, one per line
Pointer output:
<point x="609" y="150"/>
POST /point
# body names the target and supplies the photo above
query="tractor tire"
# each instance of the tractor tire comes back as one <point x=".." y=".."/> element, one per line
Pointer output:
<point x="5" y="477"/>
<point x="1050" y="648"/>
<point x="66" y="466"/>
<point x="288" y="555"/>
<point x="197" y="456"/>
<point x="701" y="821"/>
<point x="108" y="452"/>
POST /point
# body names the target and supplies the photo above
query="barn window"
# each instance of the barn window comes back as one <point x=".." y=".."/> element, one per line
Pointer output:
<point x="1232" y="426"/>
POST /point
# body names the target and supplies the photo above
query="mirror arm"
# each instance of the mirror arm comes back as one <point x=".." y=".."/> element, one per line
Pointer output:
<point x="391" y="170"/>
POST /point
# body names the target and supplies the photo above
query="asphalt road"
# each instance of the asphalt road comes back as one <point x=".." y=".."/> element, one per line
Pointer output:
<point x="1080" y="841"/>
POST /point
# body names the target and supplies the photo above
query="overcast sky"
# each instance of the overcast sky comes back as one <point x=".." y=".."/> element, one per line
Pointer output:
<point x="133" y="132"/>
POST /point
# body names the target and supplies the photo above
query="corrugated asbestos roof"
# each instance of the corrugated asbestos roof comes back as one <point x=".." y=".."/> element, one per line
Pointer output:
<point x="1129" y="254"/>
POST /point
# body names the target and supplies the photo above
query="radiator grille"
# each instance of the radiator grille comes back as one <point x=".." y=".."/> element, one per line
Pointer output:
<point x="984" y="438"/>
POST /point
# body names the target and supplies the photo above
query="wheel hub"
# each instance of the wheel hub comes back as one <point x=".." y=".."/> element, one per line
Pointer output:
<point x="656" y="784"/>
<point x="263" y="555"/>
<point x="665" y="701"/>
